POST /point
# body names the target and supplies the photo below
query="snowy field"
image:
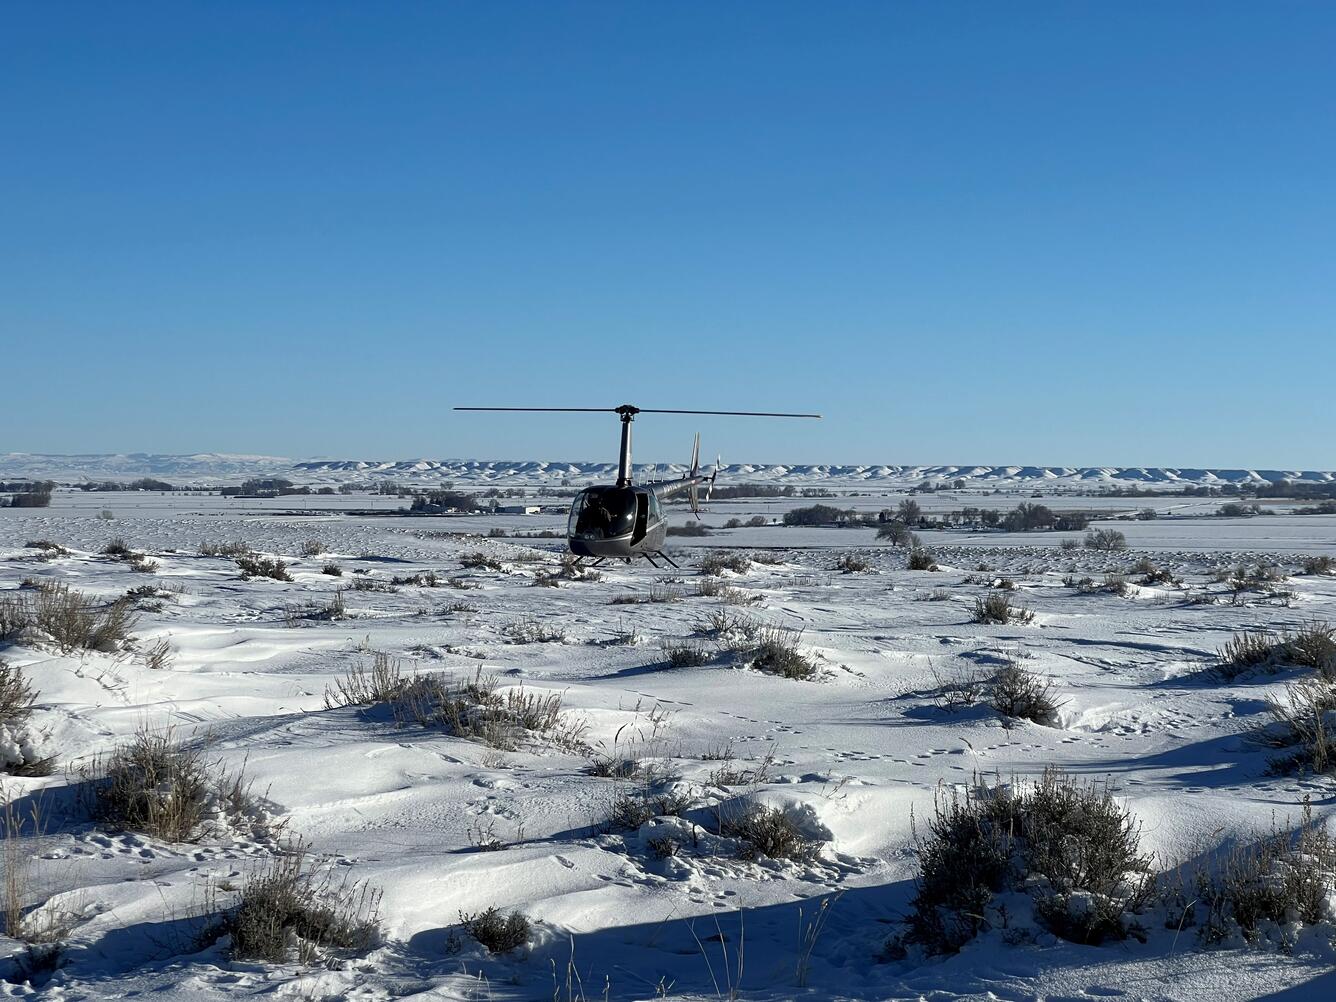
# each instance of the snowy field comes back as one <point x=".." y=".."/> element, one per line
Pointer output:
<point x="439" y="825"/>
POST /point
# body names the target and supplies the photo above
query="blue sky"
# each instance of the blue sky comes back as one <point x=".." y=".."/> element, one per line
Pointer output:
<point x="1070" y="233"/>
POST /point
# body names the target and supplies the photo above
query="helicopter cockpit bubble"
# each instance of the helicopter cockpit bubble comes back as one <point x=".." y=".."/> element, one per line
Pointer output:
<point x="603" y="513"/>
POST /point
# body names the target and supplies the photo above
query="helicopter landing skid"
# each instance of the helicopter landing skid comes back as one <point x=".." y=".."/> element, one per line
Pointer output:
<point x="662" y="556"/>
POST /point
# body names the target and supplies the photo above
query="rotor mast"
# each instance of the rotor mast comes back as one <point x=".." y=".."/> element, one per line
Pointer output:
<point x="628" y="414"/>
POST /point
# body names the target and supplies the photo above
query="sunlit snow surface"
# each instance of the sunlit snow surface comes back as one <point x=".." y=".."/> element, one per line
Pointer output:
<point x="856" y="753"/>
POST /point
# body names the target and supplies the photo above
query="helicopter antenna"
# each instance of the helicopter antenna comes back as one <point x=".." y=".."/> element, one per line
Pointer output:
<point x="628" y="413"/>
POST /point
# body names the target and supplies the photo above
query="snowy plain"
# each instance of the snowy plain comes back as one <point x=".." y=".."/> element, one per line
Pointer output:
<point x="442" y="825"/>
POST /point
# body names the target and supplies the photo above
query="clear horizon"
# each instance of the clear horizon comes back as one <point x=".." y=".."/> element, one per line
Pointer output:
<point x="1098" y="234"/>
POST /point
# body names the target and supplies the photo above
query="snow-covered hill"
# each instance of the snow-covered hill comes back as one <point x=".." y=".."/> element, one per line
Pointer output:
<point x="216" y="467"/>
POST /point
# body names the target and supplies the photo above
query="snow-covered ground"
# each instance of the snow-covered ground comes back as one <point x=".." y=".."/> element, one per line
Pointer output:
<point x="443" y="825"/>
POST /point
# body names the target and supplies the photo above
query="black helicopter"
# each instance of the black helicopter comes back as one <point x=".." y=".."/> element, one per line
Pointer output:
<point x="625" y="520"/>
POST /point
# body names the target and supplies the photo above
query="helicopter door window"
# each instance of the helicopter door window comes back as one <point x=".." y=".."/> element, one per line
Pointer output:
<point x="621" y="513"/>
<point x="642" y="514"/>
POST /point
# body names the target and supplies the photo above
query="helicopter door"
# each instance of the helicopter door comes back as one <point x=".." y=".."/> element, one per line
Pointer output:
<point x="642" y="518"/>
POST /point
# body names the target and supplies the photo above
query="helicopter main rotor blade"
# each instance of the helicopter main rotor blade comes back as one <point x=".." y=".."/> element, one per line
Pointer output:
<point x="639" y="410"/>
<point x="656" y="410"/>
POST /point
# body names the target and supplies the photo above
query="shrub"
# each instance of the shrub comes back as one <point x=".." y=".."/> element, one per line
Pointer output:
<point x="737" y="596"/>
<point x="117" y="547"/>
<point x="852" y="564"/>
<point x="156" y="785"/>
<point x="236" y="548"/>
<point x="423" y="579"/>
<point x="382" y="682"/>
<point x="1018" y="694"/>
<point x="663" y="847"/>
<point x="722" y="623"/>
<point x="1282" y="879"/>
<point x="1106" y="540"/>
<point x="252" y="565"/>
<point x="921" y="560"/>
<point x="718" y="561"/>
<point x="686" y="655"/>
<point x="1069" y="845"/>
<point x="15" y="617"/>
<point x="159" y="654"/>
<point x="295" y="615"/>
<point x="478" y="561"/>
<point x="733" y="523"/>
<point x="16" y="696"/>
<point x="364" y="582"/>
<point x="478" y="710"/>
<point x="74" y="621"/>
<point x="776" y="653"/>
<point x="1300" y="727"/>
<point x="498" y="932"/>
<point x="332" y="569"/>
<point x="1069" y="544"/>
<point x="767" y="832"/>
<point x="1114" y="584"/>
<point x="22" y="751"/>
<point x="1249" y="649"/>
<point x="1159" y="575"/>
<point x="689" y="529"/>
<point x="286" y="906"/>
<point x="47" y="547"/>
<point x="936" y="595"/>
<point x="1312" y="646"/>
<point x="312" y="548"/>
<point x="631" y="809"/>
<point x="756" y="521"/>
<point x="961" y="687"/>
<point x="1312" y="565"/>
<point x="997" y="607"/>
<point x="530" y="630"/>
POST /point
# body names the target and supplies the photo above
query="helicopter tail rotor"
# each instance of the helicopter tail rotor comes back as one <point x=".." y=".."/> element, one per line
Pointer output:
<point x="693" y="490"/>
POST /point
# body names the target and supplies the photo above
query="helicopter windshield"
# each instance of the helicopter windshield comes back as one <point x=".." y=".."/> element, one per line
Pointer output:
<point x="603" y="513"/>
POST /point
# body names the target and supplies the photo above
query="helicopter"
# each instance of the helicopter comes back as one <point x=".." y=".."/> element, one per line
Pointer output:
<point x="623" y="521"/>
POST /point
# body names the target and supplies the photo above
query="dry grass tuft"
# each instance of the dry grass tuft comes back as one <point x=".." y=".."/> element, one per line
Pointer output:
<point x="157" y="785"/>
<point x="287" y="912"/>
<point x="382" y="682"/>
<point x="997" y="607"/>
<point x="480" y="710"/>
<point x="718" y="561"/>
<point x="1270" y="886"/>
<point x="767" y="832"/>
<point x="68" y="619"/>
<point x="531" y="630"/>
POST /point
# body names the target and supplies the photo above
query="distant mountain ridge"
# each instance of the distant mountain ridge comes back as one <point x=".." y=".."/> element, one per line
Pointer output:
<point x="214" y="468"/>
